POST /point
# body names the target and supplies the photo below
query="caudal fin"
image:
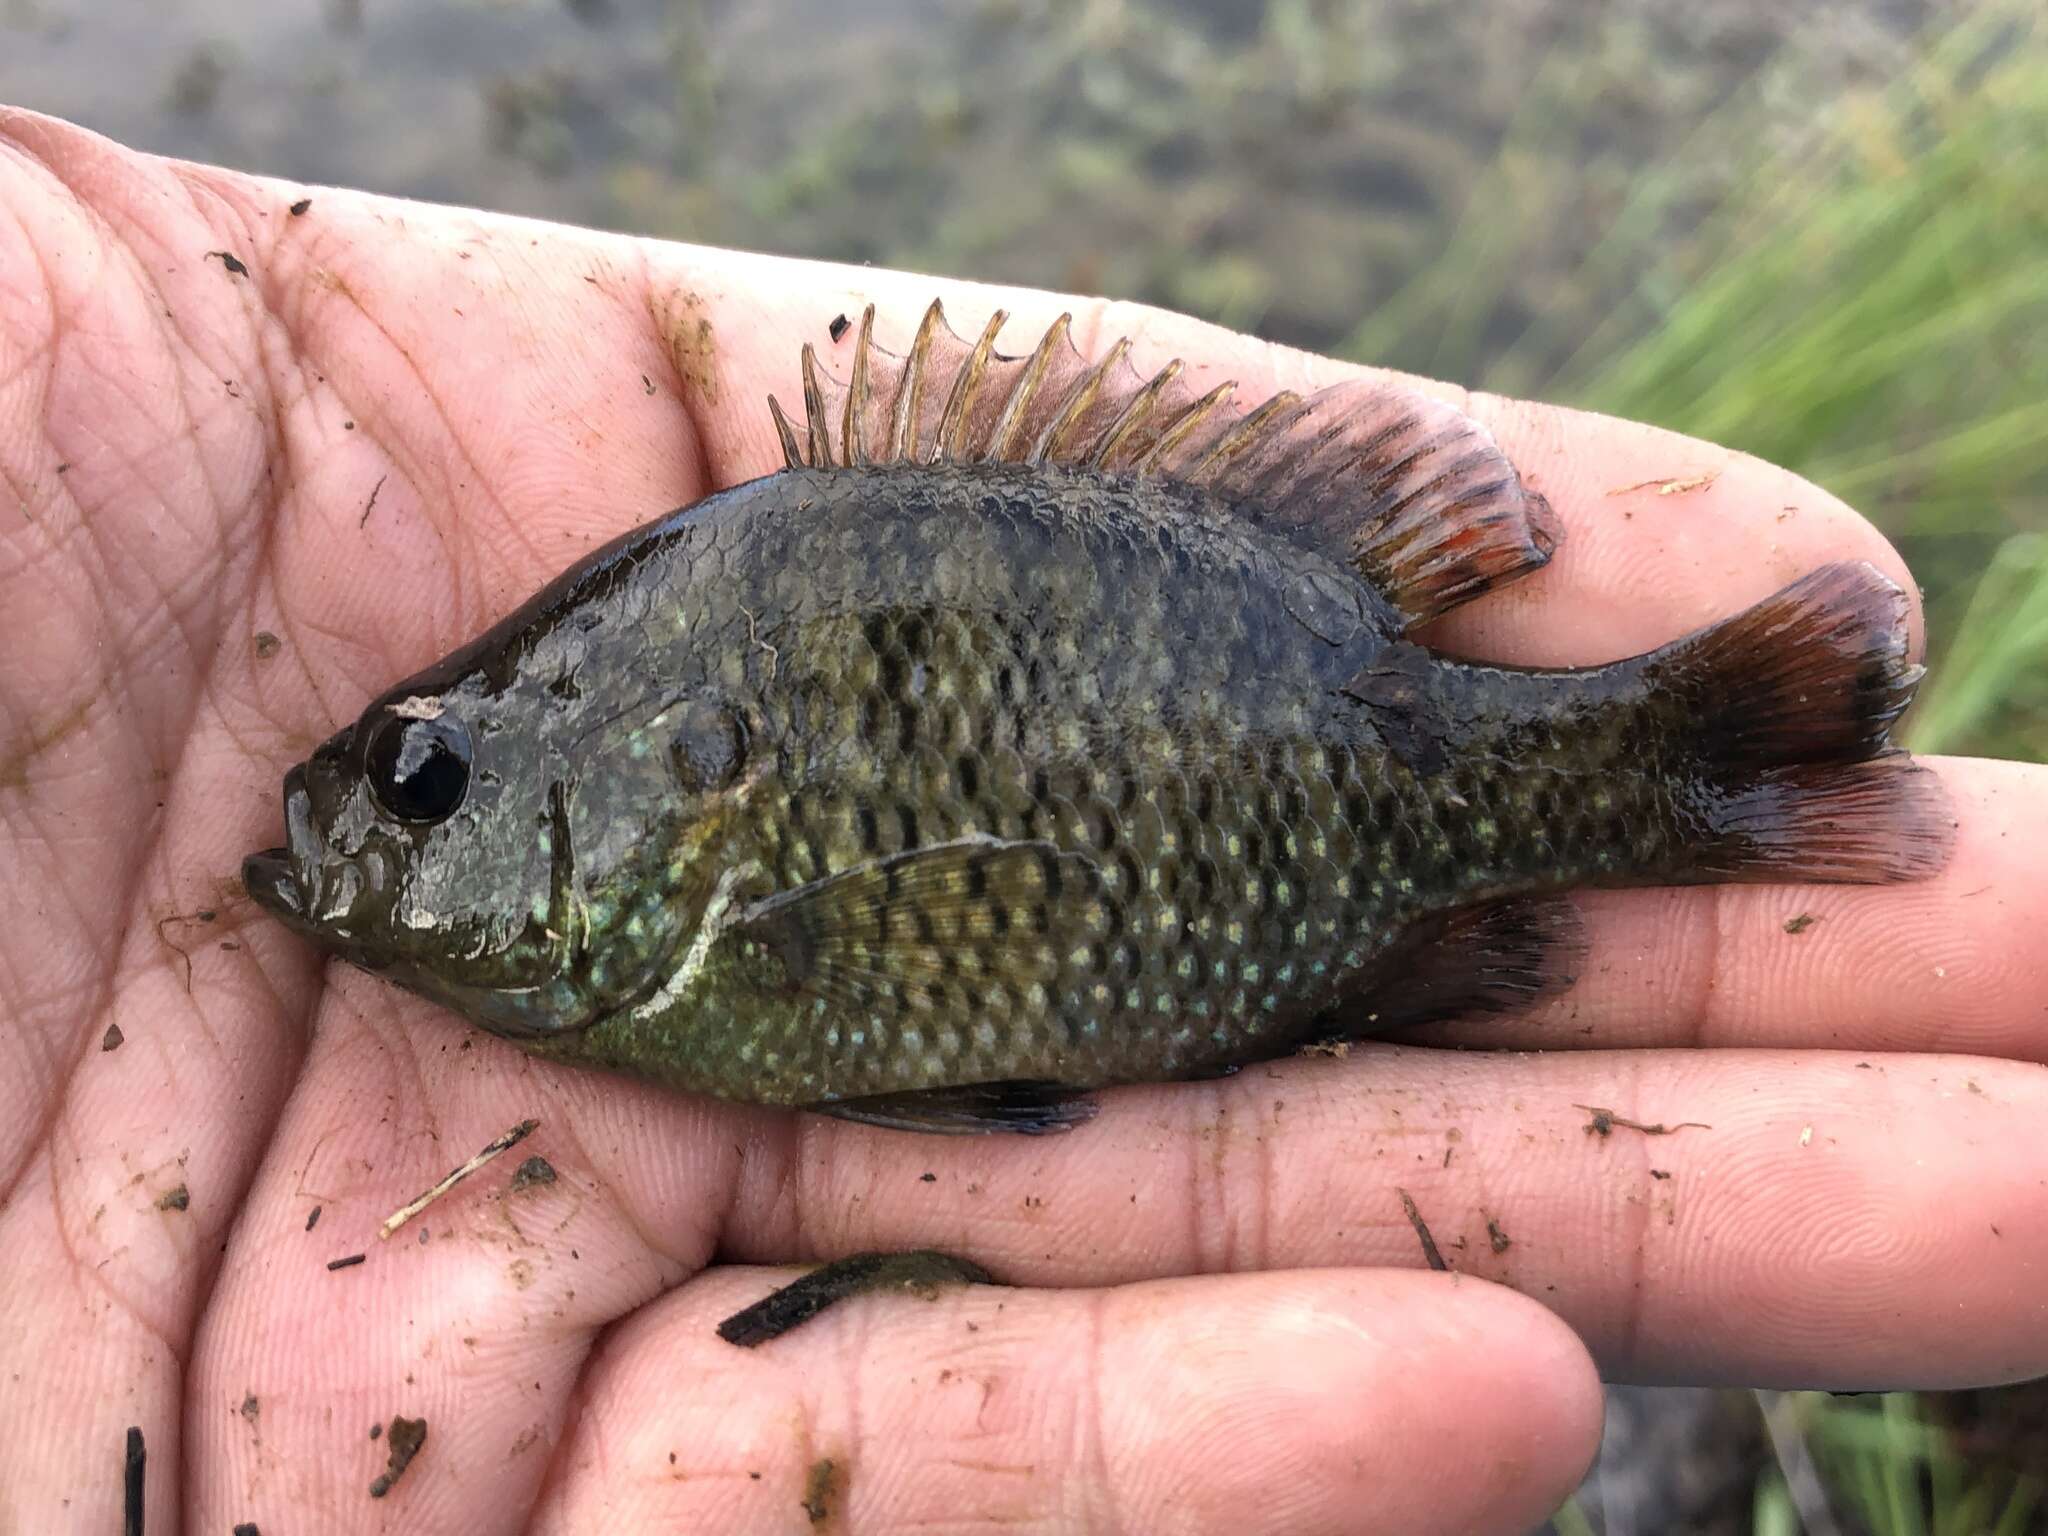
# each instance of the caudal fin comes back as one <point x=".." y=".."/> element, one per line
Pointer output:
<point x="1792" y="705"/>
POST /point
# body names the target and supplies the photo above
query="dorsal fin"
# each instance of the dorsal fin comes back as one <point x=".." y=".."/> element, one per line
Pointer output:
<point x="1409" y="491"/>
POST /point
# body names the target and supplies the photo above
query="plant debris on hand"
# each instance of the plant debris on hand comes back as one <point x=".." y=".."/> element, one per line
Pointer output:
<point x="403" y="1443"/>
<point x="496" y="1148"/>
<point x="1430" y="1253"/>
<point x="134" y="1463"/>
<point x="1606" y="1121"/>
<point x="533" y="1172"/>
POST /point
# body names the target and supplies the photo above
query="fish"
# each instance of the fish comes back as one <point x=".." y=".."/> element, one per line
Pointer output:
<point x="1040" y="727"/>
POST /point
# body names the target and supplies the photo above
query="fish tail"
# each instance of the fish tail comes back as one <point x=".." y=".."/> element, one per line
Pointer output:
<point x="1790" y="709"/>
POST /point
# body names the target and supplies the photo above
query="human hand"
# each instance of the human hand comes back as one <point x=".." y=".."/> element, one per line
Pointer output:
<point x="250" y="494"/>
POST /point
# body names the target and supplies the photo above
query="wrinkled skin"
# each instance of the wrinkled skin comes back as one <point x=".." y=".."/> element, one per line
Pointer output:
<point x="1222" y="1296"/>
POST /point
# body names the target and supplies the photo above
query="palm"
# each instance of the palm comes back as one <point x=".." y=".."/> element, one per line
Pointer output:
<point x="395" y="424"/>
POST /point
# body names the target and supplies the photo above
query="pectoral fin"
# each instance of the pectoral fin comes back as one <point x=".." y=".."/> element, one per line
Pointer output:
<point x="926" y="927"/>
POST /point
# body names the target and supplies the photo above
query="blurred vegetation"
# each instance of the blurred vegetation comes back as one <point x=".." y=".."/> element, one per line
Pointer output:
<point x="1915" y="1468"/>
<point x="1874" y="312"/>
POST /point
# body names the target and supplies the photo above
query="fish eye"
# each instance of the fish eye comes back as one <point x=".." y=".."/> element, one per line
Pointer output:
<point x="418" y="769"/>
<point x="709" y="747"/>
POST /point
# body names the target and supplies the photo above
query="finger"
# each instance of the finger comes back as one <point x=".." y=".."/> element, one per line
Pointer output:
<point x="1823" y="1220"/>
<point x="1303" y="1403"/>
<point x="1953" y="963"/>
<point x="1663" y="533"/>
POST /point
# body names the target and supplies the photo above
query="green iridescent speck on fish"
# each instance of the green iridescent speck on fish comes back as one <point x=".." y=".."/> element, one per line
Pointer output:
<point x="1041" y="726"/>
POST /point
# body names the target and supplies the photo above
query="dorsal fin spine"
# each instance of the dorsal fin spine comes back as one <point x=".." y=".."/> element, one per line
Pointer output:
<point x="1178" y="429"/>
<point x="852" y="432"/>
<point x="814" y="413"/>
<point x="1133" y="415"/>
<point x="949" y="442"/>
<point x="1053" y="439"/>
<point x="792" y="452"/>
<point x="1025" y="389"/>
<point x="910" y="392"/>
<point x="1243" y="434"/>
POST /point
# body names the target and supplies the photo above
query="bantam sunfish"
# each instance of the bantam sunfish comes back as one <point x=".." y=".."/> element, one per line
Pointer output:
<point x="1039" y="726"/>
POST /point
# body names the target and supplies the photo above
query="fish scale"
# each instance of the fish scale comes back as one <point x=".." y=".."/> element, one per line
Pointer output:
<point x="1040" y="727"/>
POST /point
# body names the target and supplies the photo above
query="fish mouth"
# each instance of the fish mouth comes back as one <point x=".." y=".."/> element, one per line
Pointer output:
<point x="271" y="880"/>
<point x="286" y="881"/>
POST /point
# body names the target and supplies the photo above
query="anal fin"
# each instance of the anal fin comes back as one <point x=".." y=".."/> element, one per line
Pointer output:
<point x="1501" y="957"/>
<point x="1027" y="1107"/>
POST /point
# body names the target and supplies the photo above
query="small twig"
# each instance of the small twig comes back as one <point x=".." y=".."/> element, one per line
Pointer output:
<point x="1429" y="1249"/>
<point x="203" y="915"/>
<point x="131" y="1483"/>
<point x="1605" y="1122"/>
<point x="497" y="1148"/>
<point x="1673" y="486"/>
<point x="371" y="506"/>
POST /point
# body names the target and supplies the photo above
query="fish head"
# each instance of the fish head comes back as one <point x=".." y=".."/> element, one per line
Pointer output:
<point x="444" y="841"/>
